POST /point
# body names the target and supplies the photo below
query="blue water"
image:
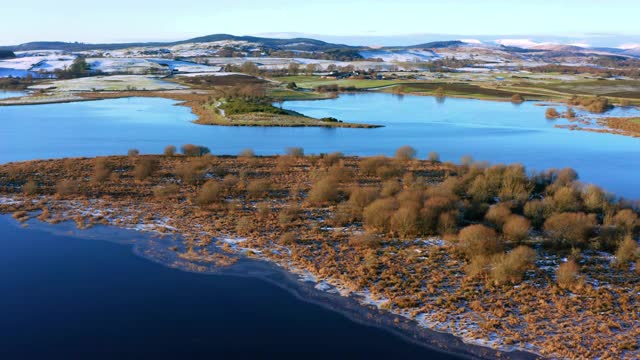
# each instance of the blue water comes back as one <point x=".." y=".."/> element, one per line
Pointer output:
<point x="4" y="94"/>
<point x="4" y="72"/>
<point x="492" y="131"/>
<point x="67" y="297"/>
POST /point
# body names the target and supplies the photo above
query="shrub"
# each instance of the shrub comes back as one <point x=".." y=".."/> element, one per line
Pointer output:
<point x="431" y="210"/>
<point x="434" y="157"/>
<point x="66" y="187"/>
<point x="565" y="176"/>
<point x="191" y="172"/>
<point x="361" y="197"/>
<point x="257" y="189"/>
<point x="324" y="191"/>
<point x="296" y="152"/>
<point x="389" y="171"/>
<point x="390" y="188"/>
<point x="370" y="165"/>
<point x="211" y="192"/>
<point x="511" y="267"/>
<point x="404" y="222"/>
<point x="567" y="274"/>
<point x="570" y="114"/>
<point x="573" y="228"/>
<point x="552" y="113"/>
<point x="516" y="228"/>
<point x="480" y="189"/>
<point x="247" y="153"/>
<point x="627" y="250"/>
<point x="440" y="92"/>
<point x="332" y="159"/>
<point x="517" y="98"/>
<point x="365" y="240"/>
<point x="478" y="265"/>
<point x="30" y="188"/>
<point x="377" y="215"/>
<point x="170" y="150"/>
<point x="594" y="198"/>
<point x="536" y="210"/>
<point x="194" y="150"/>
<point x="627" y="220"/>
<point x="566" y="199"/>
<point x="341" y="173"/>
<point x="133" y="152"/>
<point x="478" y="240"/>
<point x="406" y="153"/>
<point x="448" y="222"/>
<point x="144" y="168"/>
<point x="498" y="214"/>
<point x="101" y="171"/>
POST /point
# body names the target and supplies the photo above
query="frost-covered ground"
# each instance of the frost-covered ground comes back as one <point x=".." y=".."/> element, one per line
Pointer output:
<point x="110" y="83"/>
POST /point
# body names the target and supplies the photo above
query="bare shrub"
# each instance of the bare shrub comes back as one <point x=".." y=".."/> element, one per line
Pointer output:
<point x="594" y="198"/>
<point x="479" y="265"/>
<point x="406" y="153"/>
<point x="431" y="210"/>
<point x="360" y="197"/>
<point x="627" y="250"/>
<point x="370" y="165"/>
<point x="258" y="189"/>
<point x="390" y="188"/>
<point x="478" y="240"/>
<point x="627" y="220"/>
<point x="434" y="157"/>
<point x="210" y="193"/>
<point x="194" y="150"/>
<point x="144" y="168"/>
<point x="247" y="154"/>
<point x="572" y="228"/>
<point x="567" y="274"/>
<point x="324" y="191"/>
<point x="511" y="267"/>
<point x="332" y="159"/>
<point x="101" y="171"/>
<point x="516" y="228"/>
<point x="565" y="176"/>
<point x="377" y="215"/>
<point x="66" y="187"/>
<point x="133" y="152"/>
<point x="296" y="152"/>
<point x="566" y="199"/>
<point x="448" y="222"/>
<point x="264" y="210"/>
<point x="404" y="222"/>
<point x="341" y="174"/>
<point x="170" y="151"/>
<point x="498" y="214"/>
<point x="537" y="211"/>
<point x="191" y="172"/>
<point x="365" y="240"/>
<point x="30" y="188"/>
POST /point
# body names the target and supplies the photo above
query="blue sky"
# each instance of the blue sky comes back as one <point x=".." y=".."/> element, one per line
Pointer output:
<point x="135" y="20"/>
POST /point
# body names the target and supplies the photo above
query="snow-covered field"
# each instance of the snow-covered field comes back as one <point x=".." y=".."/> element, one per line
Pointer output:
<point x="110" y="83"/>
<point x="412" y="55"/>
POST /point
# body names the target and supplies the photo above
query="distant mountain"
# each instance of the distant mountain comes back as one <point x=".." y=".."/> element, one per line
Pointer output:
<point x="438" y="44"/>
<point x="299" y="44"/>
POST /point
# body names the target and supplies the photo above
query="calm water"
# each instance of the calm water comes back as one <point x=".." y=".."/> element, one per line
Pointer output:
<point x="493" y="131"/>
<point x="73" y="298"/>
<point x="9" y="94"/>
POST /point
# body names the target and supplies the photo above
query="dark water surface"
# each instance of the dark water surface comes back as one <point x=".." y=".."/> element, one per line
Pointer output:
<point x="62" y="296"/>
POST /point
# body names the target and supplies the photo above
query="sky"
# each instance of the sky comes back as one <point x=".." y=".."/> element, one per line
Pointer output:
<point x="160" y="20"/>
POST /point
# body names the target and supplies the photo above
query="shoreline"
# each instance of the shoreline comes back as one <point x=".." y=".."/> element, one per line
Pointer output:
<point x="295" y="284"/>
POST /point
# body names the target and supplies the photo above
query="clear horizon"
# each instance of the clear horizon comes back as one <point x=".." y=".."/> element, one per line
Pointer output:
<point x="124" y="21"/>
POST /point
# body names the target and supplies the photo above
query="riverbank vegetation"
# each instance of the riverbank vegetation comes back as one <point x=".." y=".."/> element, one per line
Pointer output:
<point x="493" y="253"/>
